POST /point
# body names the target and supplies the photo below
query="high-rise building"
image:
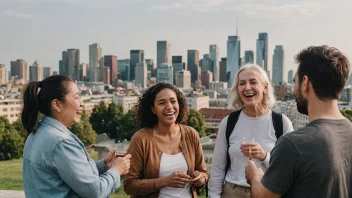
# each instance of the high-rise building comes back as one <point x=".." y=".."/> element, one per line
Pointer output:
<point x="95" y="61"/>
<point x="177" y="65"/>
<point x="223" y="70"/>
<point x="164" y="73"/>
<point x="176" y="59"/>
<point x="278" y="65"/>
<point x="47" y="71"/>
<point x="36" y="72"/>
<point x="3" y="74"/>
<point x="107" y="75"/>
<point x="141" y="75"/>
<point x="163" y="52"/>
<point x="290" y="77"/>
<point x="193" y="65"/>
<point x="151" y="67"/>
<point x="214" y="57"/>
<point x="233" y="60"/>
<point x="9" y="75"/>
<point x="123" y="71"/>
<point x="55" y="73"/>
<point x="249" y="56"/>
<point x="69" y="65"/>
<point x="136" y="56"/>
<point x="206" y="63"/>
<point x="262" y="51"/>
<point x="183" y="79"/>
<point x="19" y="68"/>
<point x="111" y="62"/>
<point x="206" y="78"/>
<point x="84" y="68"/>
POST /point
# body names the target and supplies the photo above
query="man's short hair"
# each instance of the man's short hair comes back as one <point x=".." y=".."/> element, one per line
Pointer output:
<point x="327" y="69"/>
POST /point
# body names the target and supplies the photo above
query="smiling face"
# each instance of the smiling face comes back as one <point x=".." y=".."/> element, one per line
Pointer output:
<point x="166" y="107"/>
<point x="251" y="88"/>
<point x="71" y="110"/>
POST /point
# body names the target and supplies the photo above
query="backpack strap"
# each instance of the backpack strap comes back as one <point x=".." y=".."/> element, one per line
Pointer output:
<point x="278" y="124"/>
<point x="231" y="122"/>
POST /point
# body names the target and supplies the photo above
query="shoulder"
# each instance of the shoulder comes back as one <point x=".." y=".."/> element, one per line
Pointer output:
<point x="141" y="135"/>
<point x="285" y="119"/>
<point x="50" y="134"/>
<point x="190" y="132"/>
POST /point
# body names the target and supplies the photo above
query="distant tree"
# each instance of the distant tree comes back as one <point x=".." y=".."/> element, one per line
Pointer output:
<point x="197" y="121"/>
<point x="347" y="114"/>
<point x="84" y="130"/>
<point x="20" y="129"/>
<point x="99" y="117"/>
<point x="11" y="143"/>
<point x="128" y="125"/>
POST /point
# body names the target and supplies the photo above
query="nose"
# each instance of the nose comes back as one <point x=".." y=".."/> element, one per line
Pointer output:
<point x="247" y="86"/>
<point x="169" y="105"/>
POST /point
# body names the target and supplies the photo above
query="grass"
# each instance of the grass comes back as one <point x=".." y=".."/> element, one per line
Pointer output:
<point x="11" y="176"/>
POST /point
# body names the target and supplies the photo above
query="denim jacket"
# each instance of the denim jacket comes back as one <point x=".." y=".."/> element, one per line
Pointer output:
<point x="56" y="164"/>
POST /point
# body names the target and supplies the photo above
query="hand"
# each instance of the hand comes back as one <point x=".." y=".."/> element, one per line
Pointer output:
<point x="110" y="157"/>
<point x="252" y="172"/>
<point x="122" y="164"/>
<point x="257" y="151"/>
<point x="178" y="180"/>
<point x="198" y="179"/>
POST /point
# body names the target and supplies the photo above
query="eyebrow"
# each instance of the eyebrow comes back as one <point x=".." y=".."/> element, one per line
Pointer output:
<point x="172" y="98"/>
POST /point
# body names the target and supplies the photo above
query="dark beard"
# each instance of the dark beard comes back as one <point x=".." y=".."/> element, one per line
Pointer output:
<point x="302" y="103"/>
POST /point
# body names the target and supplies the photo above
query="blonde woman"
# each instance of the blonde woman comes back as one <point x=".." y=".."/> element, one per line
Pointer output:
<point x="253" y="98"/>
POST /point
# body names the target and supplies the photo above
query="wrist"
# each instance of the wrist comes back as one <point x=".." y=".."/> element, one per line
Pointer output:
<point x="263" y="155"/>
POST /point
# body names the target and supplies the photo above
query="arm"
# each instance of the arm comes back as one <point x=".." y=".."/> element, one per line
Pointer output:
<point x="134" y="184"/>
<point x="281" y="173"/>
<point x="200" y="167"/>
<point x="101" y="166"/>
<point x="78" y="171"/>
<point x="217" y="173"/>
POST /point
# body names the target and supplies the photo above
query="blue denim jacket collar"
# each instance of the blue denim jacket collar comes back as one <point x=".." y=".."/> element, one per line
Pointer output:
<point x="55" y="123"/>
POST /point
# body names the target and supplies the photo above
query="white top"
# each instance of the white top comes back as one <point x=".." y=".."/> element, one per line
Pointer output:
<point x="261" y="129"/>
<point x="168" y="165"/>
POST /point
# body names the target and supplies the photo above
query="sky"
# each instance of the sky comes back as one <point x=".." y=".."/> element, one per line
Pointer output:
<point x="42" y="29"/>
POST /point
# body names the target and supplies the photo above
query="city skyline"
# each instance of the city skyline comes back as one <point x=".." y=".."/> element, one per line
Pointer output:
<point x="37" y="29"/>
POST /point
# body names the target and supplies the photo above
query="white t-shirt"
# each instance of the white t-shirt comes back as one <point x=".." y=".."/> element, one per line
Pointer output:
<point x="168" y="165"/>
<point x="261" y="129"/>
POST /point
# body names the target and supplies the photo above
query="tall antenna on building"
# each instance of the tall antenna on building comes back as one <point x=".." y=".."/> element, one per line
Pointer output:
<point x="236" y="27"/>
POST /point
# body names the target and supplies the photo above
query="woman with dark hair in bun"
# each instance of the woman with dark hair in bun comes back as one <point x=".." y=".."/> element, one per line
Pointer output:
<point x="55" y="161"/>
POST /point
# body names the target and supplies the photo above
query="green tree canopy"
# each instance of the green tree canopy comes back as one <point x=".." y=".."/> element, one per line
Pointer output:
<point x="11" y="143"/>
<point x="84" y="130"/>
<point x="197" y="121"/>
<point x="128" y="125"/>
<point x="98" y="117"/>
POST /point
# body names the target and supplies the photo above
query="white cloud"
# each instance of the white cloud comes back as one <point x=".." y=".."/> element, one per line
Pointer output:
<point x="13" y="13"/>
<point x="278" y="12"/>
<point x="193" y="5"/>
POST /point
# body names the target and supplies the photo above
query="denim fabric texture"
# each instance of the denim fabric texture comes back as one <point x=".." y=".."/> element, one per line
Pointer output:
<point x="56" y="164"/>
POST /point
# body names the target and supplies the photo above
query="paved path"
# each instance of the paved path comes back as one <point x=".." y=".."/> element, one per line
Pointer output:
<point x="11" y="194"/>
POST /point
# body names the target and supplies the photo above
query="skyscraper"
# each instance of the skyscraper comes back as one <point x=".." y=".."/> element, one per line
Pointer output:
<point x="223" y="70"/>
<point x="249" y="56"/>
<point x="95" y="61"/>
<point x="164" y="73"/>
<point x="214" y="57"/>
<point x="151" y="67"/>
<point x="206" y="78"/>
<point x="36" y="72"/>
<point x="69" y="65"/>
<point x="136" y="56"/>
<point x="19" y="68"/>
<point x="233" y="58"/>
<point x="123" y="70"/>
<point x="111" y="62"/>
<point x="84" y="72"/>
<point x="163" y="52"/>
<point x="262" y="50"/>
<point x="290" y="77"/>
<point x="278" y="65"/>
<point x="183" y="79"/>
<point x="206" y="63"/>
<point x="141" y="74"/>
<point x="3" y="74"/>
<point x="47" y="71"/>
<point x="107" y="73"/>
<point x="193" y="64"/>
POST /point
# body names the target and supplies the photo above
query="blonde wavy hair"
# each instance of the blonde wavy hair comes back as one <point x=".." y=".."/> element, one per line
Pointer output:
<point x="269" y="97"/>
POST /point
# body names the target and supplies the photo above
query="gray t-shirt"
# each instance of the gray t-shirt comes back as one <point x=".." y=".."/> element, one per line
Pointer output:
<point x="315" y="161"/>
